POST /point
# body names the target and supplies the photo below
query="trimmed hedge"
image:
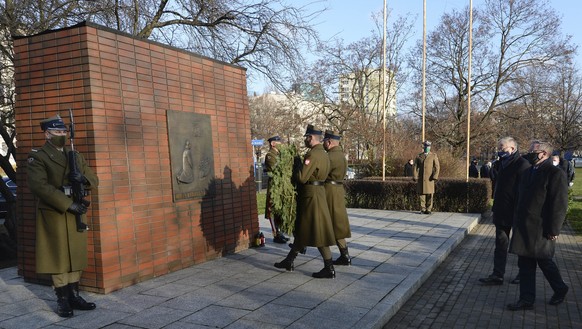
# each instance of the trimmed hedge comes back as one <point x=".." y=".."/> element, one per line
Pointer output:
<point x="399" y="193"/>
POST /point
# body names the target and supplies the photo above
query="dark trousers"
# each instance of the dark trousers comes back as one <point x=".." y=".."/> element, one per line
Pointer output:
<point x="501" y="246"/>
<point x="527" y="275"/>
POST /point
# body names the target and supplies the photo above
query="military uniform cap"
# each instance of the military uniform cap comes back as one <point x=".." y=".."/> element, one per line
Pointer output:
<point x="53" y="123"/>
<point x="311" y="130"/>
<point x="427" y="143"/>
<point x="330" y="134"/>
<point x="275" y="138"/>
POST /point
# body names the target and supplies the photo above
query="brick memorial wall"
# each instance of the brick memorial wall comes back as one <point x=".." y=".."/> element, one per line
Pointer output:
<point x="142" y="110"/>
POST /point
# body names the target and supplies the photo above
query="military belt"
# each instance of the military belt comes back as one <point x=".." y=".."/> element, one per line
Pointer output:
<point x="315" y="182"/>
<point x="334" y="182"/>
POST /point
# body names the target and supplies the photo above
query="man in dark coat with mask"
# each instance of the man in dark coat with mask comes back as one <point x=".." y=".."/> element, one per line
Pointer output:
<point x="61" y="250"/>
<point x="542" y="202"/>
<point x="511" y="167"/>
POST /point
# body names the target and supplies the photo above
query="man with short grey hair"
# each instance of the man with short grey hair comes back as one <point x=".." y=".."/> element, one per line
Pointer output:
<point x="511" y="167"/>
<point x="542" y="202"/>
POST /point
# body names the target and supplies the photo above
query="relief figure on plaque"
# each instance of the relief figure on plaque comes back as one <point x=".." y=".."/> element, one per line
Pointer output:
<point x="186" y="174"/>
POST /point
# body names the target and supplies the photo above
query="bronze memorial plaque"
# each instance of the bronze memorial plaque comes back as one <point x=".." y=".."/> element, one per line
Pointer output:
<point x="191" y="154"/>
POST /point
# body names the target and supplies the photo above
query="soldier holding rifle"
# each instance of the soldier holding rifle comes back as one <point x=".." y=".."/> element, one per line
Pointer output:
<point x="61" y="238"/>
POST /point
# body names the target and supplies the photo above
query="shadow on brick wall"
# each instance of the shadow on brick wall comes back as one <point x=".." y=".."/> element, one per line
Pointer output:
<point x="222" y="217"/>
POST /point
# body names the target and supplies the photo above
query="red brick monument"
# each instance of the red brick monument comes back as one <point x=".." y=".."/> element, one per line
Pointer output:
<point x="167" y="132"/>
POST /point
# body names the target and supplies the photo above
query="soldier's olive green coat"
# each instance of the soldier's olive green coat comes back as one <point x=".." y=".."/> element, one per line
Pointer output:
<point x="59" y="247"/>
<point x="336" y="194"/>
<point x="313" y="225"/>
<point x="426" y="171"/>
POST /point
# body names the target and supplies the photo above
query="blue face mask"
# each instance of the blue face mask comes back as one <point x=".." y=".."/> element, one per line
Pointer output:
<point x="502" y="154"/>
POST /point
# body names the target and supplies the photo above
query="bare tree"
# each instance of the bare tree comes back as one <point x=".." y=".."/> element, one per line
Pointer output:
<point x="552" y="109"/>
<point x="347" y="77"/>
<point x="267" y="36"/>
<point x="508" y="38"/>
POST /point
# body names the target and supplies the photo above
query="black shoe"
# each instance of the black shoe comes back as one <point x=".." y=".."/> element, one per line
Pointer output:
<point x="520" y="305"/>
<point x="491" y="280"/>
<point x="279" y="239"/>
<point x="427" y="212"/>
<point x="515" y="280"/>
<point x="558" y="298"/>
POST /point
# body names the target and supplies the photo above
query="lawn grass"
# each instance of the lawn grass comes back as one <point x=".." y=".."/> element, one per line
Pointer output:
<point x="261" y="197"/>
<point x="574" y="216"/>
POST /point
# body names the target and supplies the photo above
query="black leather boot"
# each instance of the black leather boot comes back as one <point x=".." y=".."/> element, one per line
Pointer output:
<point x="344" y="258"/>
<point x="77" y="302"/>
<point x="64" y="309"/>
<point x="287" y="263"/>
<point x="327" y="272"/>
<point x="302" y="251"/>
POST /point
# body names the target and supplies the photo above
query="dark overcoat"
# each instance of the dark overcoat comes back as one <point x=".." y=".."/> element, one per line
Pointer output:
<point x="59" y="247"/>
<point x="506" y="183"/>
<point x="336" y="194"/>
<point x="426" y="171"/>
<point x="313" y="225"/>
<point x="270" y="161"/>
<point x="542" y="202"/>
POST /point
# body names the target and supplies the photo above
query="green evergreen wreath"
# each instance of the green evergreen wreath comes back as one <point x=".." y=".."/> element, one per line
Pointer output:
<point x="283" y="194"/>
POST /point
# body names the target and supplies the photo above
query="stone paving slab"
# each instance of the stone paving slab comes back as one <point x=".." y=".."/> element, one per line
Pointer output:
<point x="454" y="298"/>
<point x="394" y="254"/>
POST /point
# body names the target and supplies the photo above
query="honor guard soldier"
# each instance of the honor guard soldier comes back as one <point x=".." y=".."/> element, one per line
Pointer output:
<point x="313" y="226"/>
<point x="426" y="171"/>
<point x="336" y="195"/>
<point x="271" y="159"/>
<point x="61" y="250"/>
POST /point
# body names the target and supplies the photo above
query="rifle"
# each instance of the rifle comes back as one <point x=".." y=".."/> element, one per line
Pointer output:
<point x="77" y="188"/>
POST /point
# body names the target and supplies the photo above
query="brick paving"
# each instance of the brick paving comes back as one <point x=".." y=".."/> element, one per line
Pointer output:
<point x="454" y="298"/>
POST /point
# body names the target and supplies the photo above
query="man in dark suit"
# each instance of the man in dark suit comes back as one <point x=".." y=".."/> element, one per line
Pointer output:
<point x="313" y="226"/>
<point x="485" y="169"/>
<point x="473" y="170"/>
<point x="409" y="168"/>
<point x="542" y="202"/>
<point x="510" y="168"/>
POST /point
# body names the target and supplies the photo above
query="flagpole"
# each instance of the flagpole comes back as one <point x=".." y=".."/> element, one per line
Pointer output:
<point x="423" y="66"/>
<point x="469" y="87"/>
<point x="384" y="95"/>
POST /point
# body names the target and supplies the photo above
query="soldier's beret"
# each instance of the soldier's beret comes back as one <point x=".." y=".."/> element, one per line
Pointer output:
<point x="311" y="130"/>
<point x="53" y="123"/>
<point x="275" y="138"/>
<point x="330" y="134"/>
